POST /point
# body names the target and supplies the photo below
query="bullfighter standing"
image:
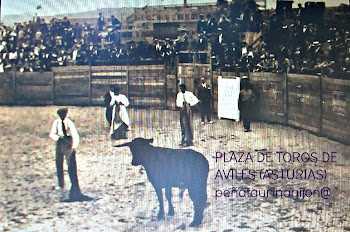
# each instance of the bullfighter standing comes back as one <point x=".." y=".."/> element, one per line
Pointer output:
<point x="64" y="132"/>
<point x="246" y="103"/>
<point x="205" y="98"/>
<point x="107" y="101"/>
<point x="120" y="123"/>
<point x="185" y="100"/>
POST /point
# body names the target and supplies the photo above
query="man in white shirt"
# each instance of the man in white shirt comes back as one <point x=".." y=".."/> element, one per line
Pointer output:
<point x="185" y="100"/>
<point x="120" y="118"/>
<point x="64" y="132"/>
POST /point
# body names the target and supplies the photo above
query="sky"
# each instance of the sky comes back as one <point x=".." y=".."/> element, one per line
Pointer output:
<point x="54" y="7"/>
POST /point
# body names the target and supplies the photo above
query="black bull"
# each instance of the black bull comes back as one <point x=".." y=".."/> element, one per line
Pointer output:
<point x="167" y="168"/>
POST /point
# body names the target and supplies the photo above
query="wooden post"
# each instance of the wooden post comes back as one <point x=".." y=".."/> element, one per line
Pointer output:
<point x="286" y="97"/>
<point x="53" y="88"/>
<point x="320" y="129"/>
<point x="211" y="79"/>
<point x="176" y="75"/>
<point x="165" y="75"/>
<point x="127" y="74"/>
<point x="89" y="87"/>
<point x="15" y="87"/>
<point x="193" y="72"/>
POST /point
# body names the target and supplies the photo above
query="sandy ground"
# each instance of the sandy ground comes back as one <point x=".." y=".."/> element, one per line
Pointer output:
<point x="124" y="200"/>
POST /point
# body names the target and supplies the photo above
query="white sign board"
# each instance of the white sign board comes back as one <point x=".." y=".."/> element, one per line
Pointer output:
<point x="228" y="94"/>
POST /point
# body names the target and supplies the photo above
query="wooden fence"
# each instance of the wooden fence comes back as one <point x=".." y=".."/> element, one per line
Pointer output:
<point x="304" y="102"/>
<point x="335" y="109"/>
<point x="72" y="85"/>
<point x="145" y="86"/>
<point x="271" y="96"/>
<point x="7" y="88"/>
<point x="318" y="104"/>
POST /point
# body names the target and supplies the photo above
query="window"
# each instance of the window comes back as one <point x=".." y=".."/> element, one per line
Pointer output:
<point x="194" y="16"/>
<point x="180" y="16"/>
<point x="187" y="16"/>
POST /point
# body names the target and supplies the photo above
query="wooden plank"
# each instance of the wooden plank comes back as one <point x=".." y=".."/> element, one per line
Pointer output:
<point x="155" y="83"/>
<point x="304" y="126"/>
<point x="71" y="75"/>
<point x="270" y="91"/>
<point x="304" y="107"/>
<point x="34" y="79"/>
<point x="109" y="81"/>
<point x="341" y="126"/>
<point x="108" y="68"/>
<point x="337" y="82"/>
<point x="7" y="88"/>
<point x="75" y="68"/>
<point x="72" y="87"/>
<point x="336" y="133"/>
<point x="336" y="108"/>
<point x="146" y="67"/>
<point x="34" y="95"/>
<point x="73" y="100"/>
<point x="98" y="91"/>
<point x="147" y="75"/>
<point x="146" y="102"/>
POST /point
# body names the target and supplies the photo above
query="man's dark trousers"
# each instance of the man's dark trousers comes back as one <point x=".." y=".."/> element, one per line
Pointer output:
<point x="186" y="125"/>
<point x="64" y="149"/>
<point x="205" y="111"/>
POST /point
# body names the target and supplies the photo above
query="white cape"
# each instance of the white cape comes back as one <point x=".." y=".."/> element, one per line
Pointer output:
<point x="123" y="115"/>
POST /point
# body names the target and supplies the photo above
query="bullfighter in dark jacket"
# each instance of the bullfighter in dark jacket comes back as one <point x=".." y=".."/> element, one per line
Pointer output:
<point x="246" y="103"/>
<point x="107" y="100"/>
<point x="204" y="95"/>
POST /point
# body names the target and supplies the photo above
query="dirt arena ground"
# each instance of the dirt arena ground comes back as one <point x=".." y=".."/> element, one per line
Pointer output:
<point x="124" y="200"/>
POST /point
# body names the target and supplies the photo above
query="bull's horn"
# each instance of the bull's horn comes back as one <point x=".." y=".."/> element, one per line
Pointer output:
<point x="122" y="145"/>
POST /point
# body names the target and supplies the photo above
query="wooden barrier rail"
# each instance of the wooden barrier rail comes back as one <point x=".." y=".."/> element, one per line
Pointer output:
<point x="318" y="104"/>
<point x="145" y="85"/>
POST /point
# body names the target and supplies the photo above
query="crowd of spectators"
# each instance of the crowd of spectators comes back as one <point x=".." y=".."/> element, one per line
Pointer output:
<point x="321" y="46"/>
<point x="293" y="42"/>
<point x="288" y="43"/>
<point x="39" y="46"/>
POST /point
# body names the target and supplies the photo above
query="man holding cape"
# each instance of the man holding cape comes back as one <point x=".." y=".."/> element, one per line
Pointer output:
<point x="120" y="122"/>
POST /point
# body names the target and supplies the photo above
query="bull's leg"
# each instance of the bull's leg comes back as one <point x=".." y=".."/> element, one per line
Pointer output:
<point x="198" y="195"/>
<point x="161" y="205"/>
<point x="168" y="197"/>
